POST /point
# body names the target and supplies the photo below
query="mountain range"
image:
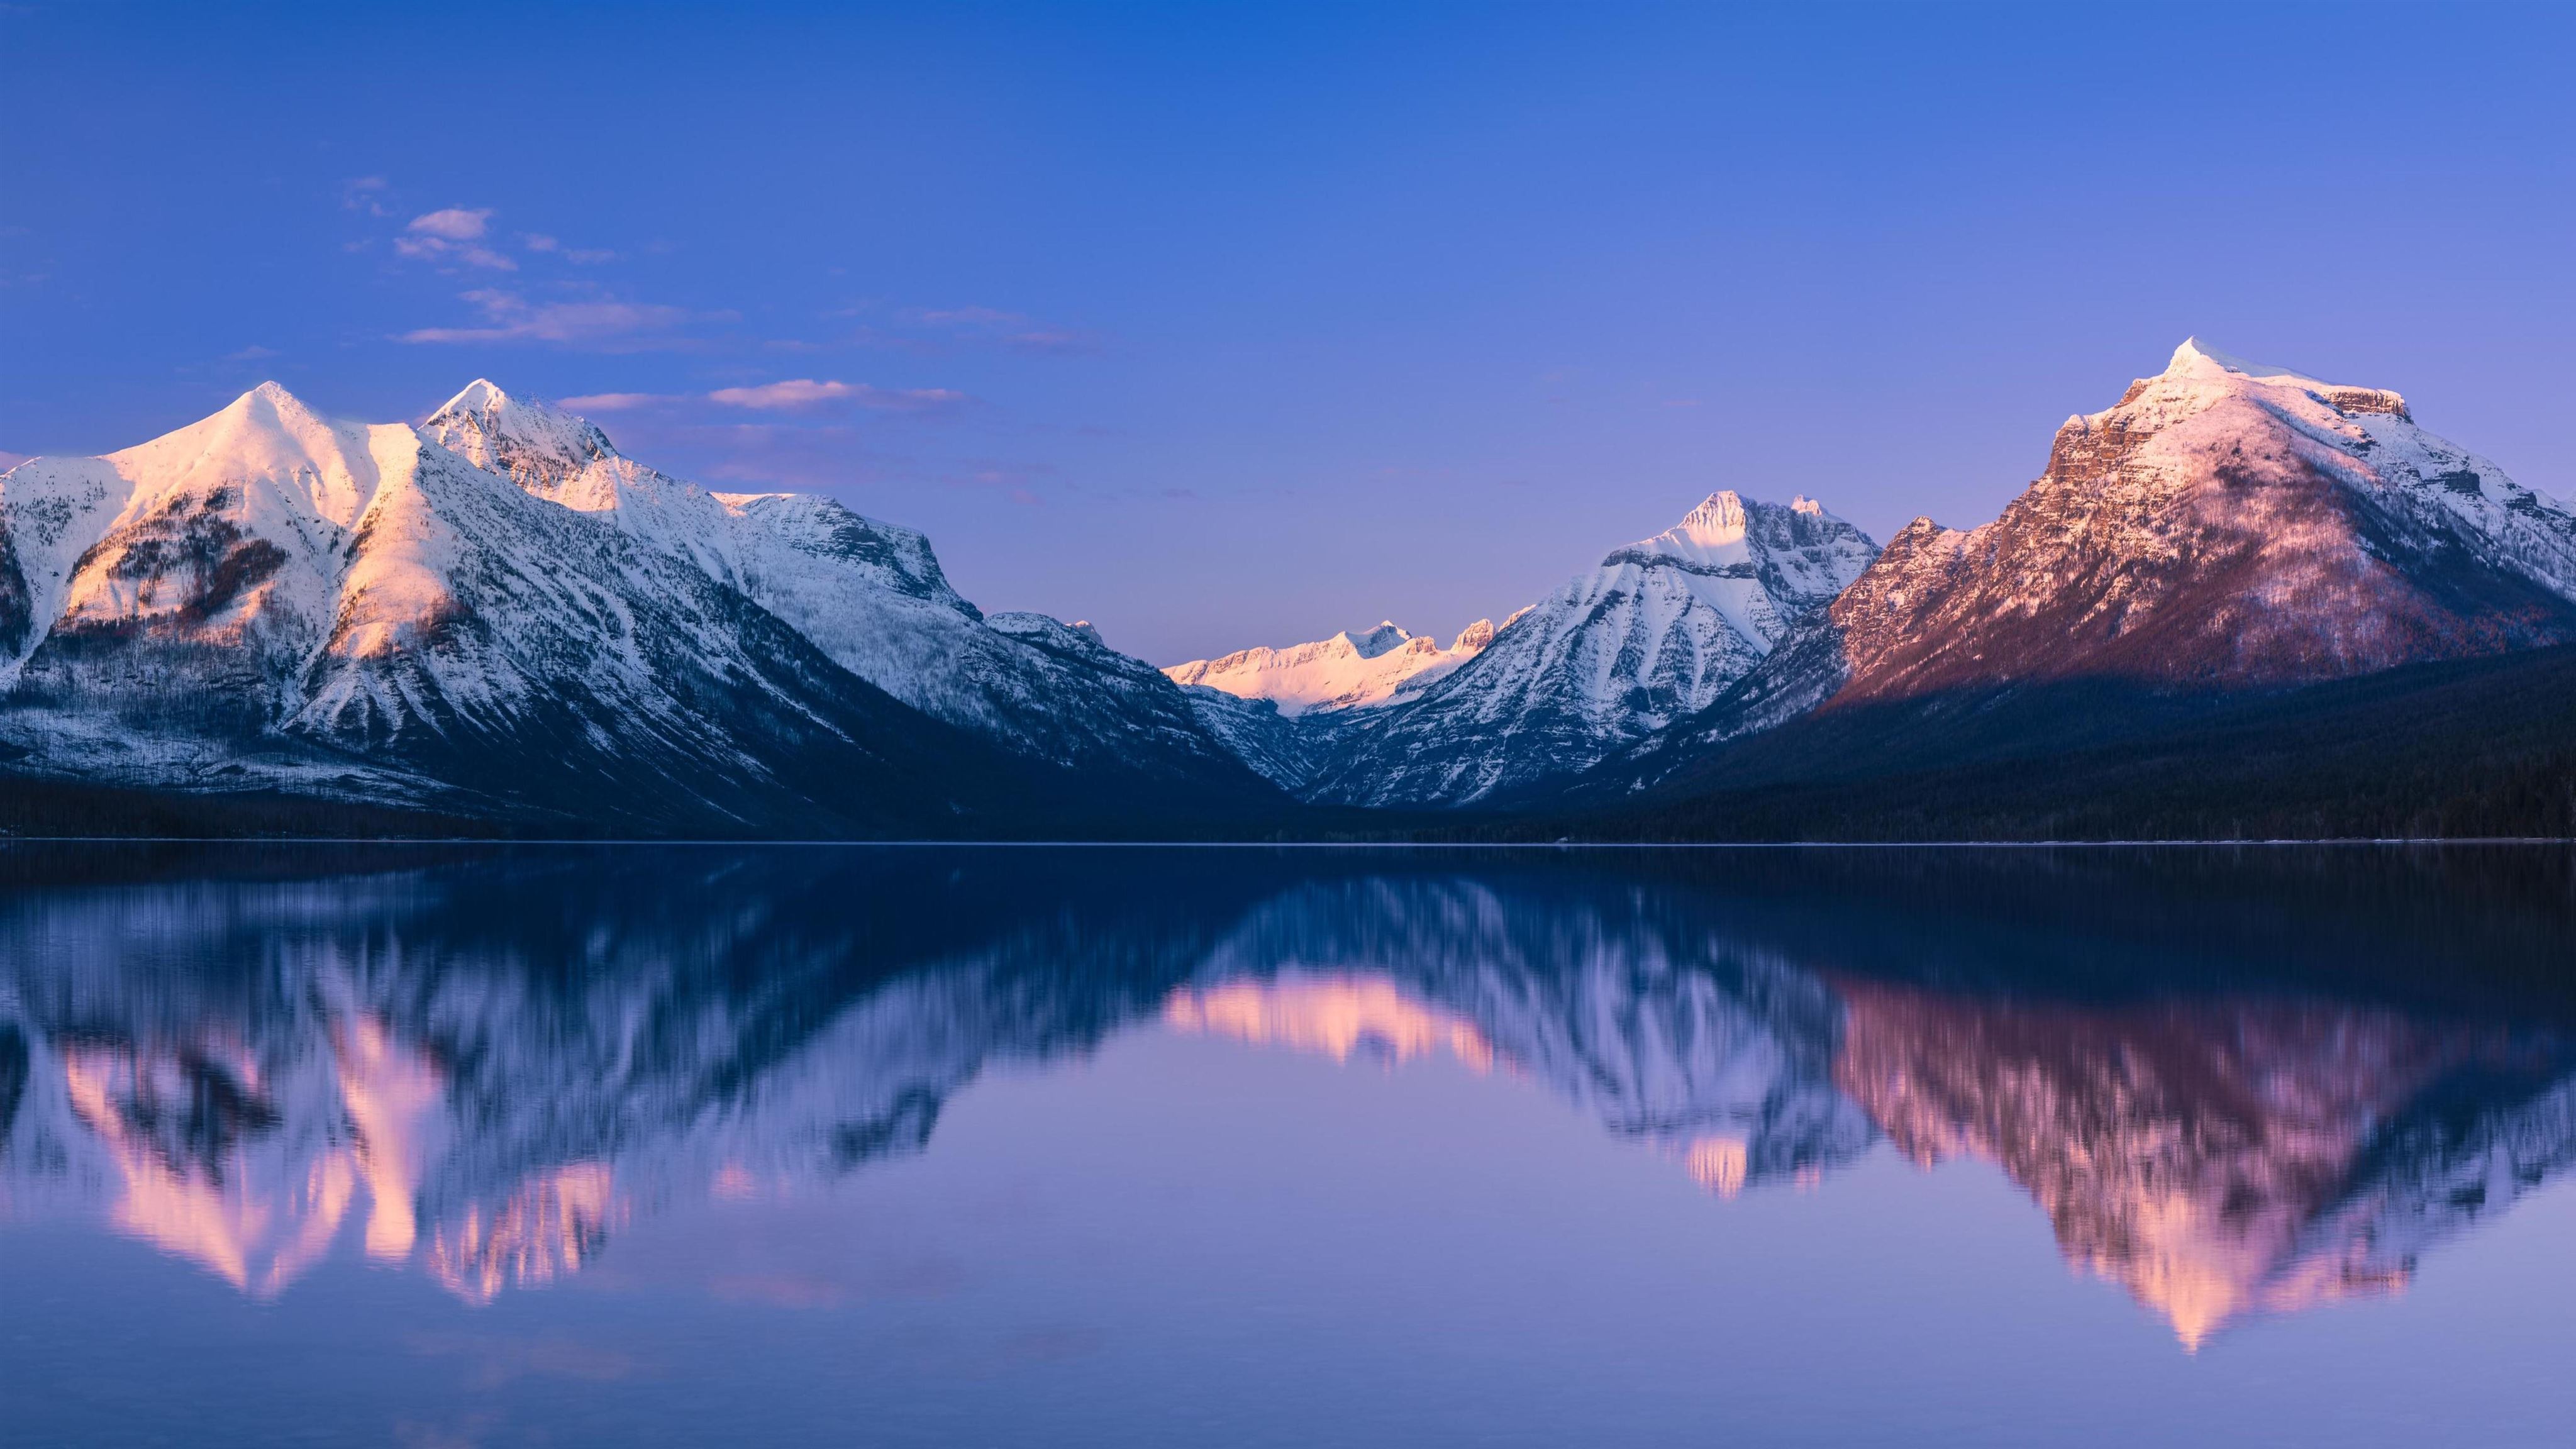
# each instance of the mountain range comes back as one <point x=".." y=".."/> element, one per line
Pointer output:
<point x="498" y="615"/>
<point x="495" y="621"/>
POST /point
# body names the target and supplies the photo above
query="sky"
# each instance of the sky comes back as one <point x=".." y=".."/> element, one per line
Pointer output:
<point x="1222" y="325"/>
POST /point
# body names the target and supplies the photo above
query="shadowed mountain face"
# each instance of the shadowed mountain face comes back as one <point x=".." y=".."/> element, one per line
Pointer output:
<point x="2231" y="1085"/>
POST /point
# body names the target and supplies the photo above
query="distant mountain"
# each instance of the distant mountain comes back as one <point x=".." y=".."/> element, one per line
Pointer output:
<point x="1284" y="711"/>
<point x="1355" y="669"/>
<point x="1654" y="634"/>
<point x="499" y="615"/>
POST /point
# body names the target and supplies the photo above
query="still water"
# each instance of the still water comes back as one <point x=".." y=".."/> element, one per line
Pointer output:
<point x="873" y="1146"/>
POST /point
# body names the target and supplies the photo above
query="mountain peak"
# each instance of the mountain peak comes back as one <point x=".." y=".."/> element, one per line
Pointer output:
<point x="1718" y="519"/>
<point x="478" y="396"/>
<point x="2196" y="359"/>
<point x="1725" y="529"/>
<point x="535" y="444"/>
<point x="1375" y="641"/>
<point x="271" y="405"/>
<point x="266" y="430"/>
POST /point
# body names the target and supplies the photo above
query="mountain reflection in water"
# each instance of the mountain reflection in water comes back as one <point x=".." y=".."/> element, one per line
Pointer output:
<point x="2233" y="1082"/>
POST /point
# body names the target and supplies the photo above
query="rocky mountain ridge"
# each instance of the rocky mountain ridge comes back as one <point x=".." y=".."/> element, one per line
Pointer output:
<point x="1652" y="634"/>
<point x="270" y="600"/>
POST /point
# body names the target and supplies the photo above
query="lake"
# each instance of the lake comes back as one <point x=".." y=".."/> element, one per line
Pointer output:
<point x="791" y="1145"/>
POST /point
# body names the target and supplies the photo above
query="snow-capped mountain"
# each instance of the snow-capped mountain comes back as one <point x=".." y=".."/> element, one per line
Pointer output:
<point x="271" y="600"/>
<point x="1355" y="669"/>
<point x="2225" y="526"/>
<point x="1285" y="711"/>
<point x="1655" y="633"/>
<point x="870" y="595"/>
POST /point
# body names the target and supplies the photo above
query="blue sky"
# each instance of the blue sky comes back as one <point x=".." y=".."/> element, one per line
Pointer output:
<point x="1234" y="324"/>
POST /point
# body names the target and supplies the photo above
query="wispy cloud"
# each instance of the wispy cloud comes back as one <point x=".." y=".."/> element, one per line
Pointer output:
<point x="965" y="317"/>
<point x="1017" y="481"/>
<point x="614" y="402"/>
<point x="607" y="326"/>
<point x="252" y="353"/>
<point x="992" y="326"/>
<point x="453" y="235"/>
<point x="456" y="223"/>
<point x="1058" y="340"/>
<point x="799" y="394"/>
<point x="553" y="246"/>
<point x="795" y="392"/>
<point x="365" y="193"/>
<point x="805" y="392"/>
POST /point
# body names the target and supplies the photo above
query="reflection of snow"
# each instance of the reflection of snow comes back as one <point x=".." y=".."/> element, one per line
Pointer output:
<point x="494" y="1120"/>
<point x="2215" y="1159"/>
<point x="1331" y="1014"/>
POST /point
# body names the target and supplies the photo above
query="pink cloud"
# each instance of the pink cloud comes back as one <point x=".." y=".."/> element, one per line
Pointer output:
<point x="806" y="392"/>
<point x="452" y="236"/>
<point x="800" y="392"/>
<point x="454" y="224"/>
<point x="438" y="249"/>
<point x="615" y="402"/>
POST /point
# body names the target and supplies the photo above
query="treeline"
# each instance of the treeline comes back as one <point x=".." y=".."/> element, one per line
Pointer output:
<point x="2467" y="749"/>
<point x="41" y="807"/>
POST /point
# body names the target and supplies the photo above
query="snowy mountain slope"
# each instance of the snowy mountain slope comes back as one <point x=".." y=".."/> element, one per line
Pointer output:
<point x="870" y="595"/>
<point x="175" y="592"/>
<point x="487" y="637"/>
<point x="1285" y="750"/>
<point x="283" y="601"/>
<point x="1653" y="634"/>
<point x="2226" y="526"/>
<point x="1354" y="669"/>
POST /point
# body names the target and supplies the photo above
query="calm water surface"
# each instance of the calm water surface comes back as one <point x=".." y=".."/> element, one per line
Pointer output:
<point x="1140" y="1147"/>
